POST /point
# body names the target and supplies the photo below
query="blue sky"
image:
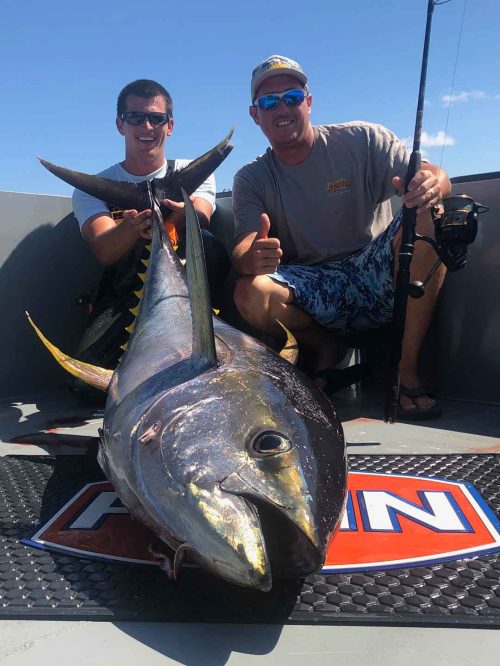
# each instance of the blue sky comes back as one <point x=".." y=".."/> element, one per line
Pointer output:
<point x="64" y="63"/>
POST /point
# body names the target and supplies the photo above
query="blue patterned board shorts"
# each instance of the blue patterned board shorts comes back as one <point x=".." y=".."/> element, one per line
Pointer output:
<point x="350" y="295"/>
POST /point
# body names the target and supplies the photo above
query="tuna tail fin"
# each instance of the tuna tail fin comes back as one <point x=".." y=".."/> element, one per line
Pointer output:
<point x="124" y="196"/>
<point x="190" y="177"/>
<point x="91" y="374"/>
<point x="199" y="295"/>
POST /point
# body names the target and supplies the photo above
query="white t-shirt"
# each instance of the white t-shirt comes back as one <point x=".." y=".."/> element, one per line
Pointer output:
<point x="86" y="206"/>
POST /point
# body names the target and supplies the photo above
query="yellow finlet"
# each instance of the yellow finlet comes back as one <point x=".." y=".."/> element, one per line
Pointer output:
<point x="130" y="328"/>
<point x="90" y="374"/>
<point x="139" y="293"/>
<point x="134" y="311"/>
<point x="290" y="351"/>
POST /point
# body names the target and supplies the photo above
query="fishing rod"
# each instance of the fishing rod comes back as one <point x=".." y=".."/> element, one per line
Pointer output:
<point x="455" y="228"/>
<point x="408" y="238"/>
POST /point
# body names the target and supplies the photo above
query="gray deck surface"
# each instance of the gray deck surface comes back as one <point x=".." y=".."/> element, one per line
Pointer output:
<point x="55" y="423"/>
<point x="106" y="644"/>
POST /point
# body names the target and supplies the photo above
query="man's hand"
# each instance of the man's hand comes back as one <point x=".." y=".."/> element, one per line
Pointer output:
<point x="424" y="190"/>
<point x="177" y="216"/>
<point x="264" y="253"/>
<point x="140" y="222"/>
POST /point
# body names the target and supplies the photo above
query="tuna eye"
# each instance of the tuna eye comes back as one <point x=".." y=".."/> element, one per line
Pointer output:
<point x="271" y="443"/>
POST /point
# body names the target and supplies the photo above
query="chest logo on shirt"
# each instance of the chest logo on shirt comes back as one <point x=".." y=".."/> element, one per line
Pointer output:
<point x="339" y="185"/>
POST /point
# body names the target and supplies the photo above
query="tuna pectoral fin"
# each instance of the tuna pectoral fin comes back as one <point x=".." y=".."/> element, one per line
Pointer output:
<point x="290" y="351"/>
<point x="199" y="294"/>
<point x="91" y="374"/>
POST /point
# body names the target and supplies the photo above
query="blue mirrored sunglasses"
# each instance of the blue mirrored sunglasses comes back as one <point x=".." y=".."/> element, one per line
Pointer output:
<point x="139" y="117"/>
<point x="272" y="100"/>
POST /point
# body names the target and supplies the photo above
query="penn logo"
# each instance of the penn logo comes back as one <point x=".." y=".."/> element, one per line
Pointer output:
<point x="390" y="521"/>
<point x="396" y="520"/>
<point x="95" y="523"/>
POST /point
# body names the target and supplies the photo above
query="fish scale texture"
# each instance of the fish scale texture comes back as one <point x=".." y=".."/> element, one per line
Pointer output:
<point x="41" y="584"/>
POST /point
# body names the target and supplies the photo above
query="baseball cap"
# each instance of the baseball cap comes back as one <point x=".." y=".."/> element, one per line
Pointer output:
<point x="275" y="65"/>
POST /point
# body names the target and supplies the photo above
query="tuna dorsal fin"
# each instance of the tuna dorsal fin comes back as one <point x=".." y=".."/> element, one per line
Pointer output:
<point x="199" y="295"/>
<point x="91" y="374"/>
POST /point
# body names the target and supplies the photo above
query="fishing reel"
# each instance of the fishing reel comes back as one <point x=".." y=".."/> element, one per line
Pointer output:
<point x="455" y="228"/>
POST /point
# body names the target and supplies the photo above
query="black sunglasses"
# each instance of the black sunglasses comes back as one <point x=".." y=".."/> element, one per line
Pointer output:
<point x="139" y="118"/>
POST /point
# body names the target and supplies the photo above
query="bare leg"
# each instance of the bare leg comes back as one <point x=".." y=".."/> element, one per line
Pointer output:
<point x="419" y="311"/>
<point x="261" y="301"/>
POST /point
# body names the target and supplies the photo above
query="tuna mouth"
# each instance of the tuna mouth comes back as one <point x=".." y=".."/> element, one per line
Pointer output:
<point x="291" y="553"/>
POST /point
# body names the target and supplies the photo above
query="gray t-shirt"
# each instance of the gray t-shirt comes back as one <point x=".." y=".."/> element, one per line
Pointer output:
<point x="86" y="206"/>
<point x="331" y="204"/>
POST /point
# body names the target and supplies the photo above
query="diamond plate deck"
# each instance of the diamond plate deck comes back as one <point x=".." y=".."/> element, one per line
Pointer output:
<point x="37" y="584"/>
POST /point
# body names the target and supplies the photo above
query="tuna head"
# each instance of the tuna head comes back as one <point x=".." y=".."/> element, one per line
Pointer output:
<point x="254" y="491"/>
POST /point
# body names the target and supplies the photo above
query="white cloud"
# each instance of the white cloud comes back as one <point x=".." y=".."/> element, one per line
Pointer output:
<point x="430" y="141"/>
<point x="438" y="139"/>
<point x="464" y="96"/>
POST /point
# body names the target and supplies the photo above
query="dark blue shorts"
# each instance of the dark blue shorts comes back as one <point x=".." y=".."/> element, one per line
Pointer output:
<point x="350" y="295"/>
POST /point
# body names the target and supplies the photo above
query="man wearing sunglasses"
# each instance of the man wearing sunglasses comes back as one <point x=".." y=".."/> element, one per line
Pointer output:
<point x="316" y="242"/>
<point x="145" y="119"/>
<point x="117" y="238"/>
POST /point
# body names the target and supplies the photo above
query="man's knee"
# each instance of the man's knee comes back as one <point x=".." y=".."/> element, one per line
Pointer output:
<point x="251" y="296"/>
<point x="248" y="293"/>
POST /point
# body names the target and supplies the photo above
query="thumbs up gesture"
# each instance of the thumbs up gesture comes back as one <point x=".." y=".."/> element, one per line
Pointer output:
<point x="264" y="253"/>
<point x="265" y="226"/>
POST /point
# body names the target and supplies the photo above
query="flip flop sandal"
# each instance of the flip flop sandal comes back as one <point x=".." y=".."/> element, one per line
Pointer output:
<point x="420" y="413"/>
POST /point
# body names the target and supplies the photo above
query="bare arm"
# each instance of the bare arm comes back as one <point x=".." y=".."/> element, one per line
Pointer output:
<point x="256" y="254"/>
<point x="110" y="241"/>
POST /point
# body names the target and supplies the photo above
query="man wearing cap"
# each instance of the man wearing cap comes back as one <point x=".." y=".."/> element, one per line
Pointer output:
<point x="316" y="244"/>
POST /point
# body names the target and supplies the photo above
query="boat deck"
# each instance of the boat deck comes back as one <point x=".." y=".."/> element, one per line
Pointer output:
<point x="54" y="426"/>
<point x="55" y="423"/>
